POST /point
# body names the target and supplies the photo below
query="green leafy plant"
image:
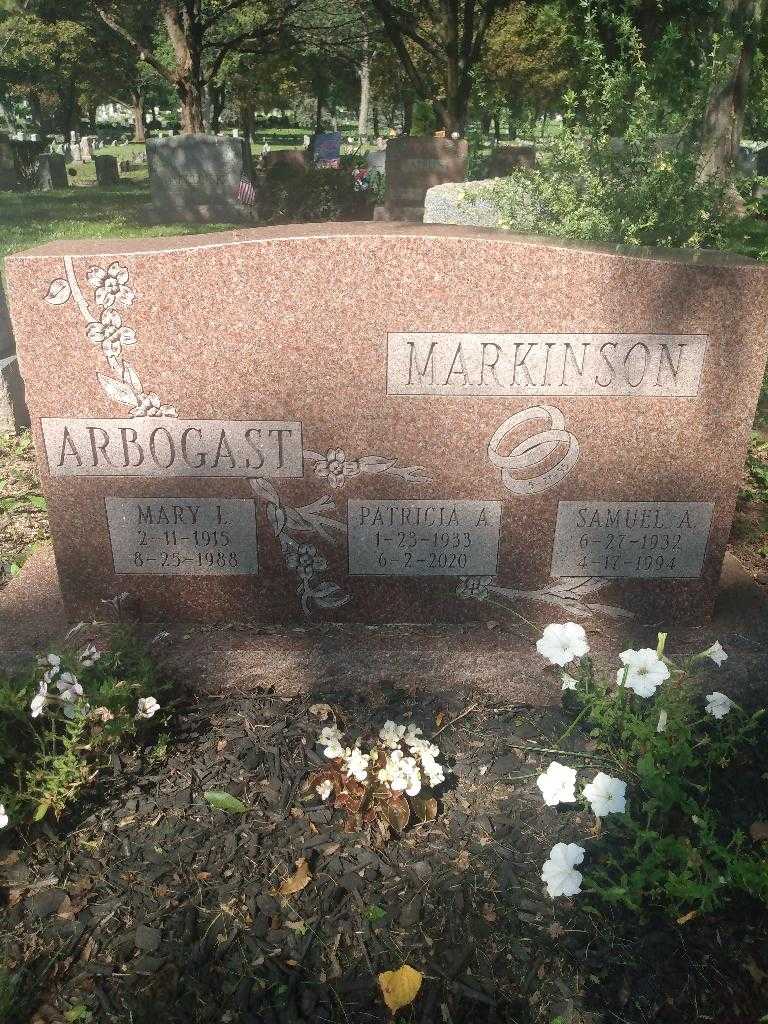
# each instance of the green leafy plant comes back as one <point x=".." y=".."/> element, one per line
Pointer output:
<point x="667" y="839"/>
<point x="610" y="174"/>
<point x="293" y="195"/>
<point x="62" y="716"/>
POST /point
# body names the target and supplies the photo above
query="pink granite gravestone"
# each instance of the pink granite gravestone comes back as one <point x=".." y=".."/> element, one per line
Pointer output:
<point x="388" y="422"/>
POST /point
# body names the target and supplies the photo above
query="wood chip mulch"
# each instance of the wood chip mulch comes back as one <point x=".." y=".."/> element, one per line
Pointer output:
<point x="148" y="905"/>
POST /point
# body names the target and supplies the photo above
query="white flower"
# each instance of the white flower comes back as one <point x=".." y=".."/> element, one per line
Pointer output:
<point x="558" y="872"/>
<point x="89" y="656"/>
<point x="569" y="683"/>
<point x="110" y="285"/>
<point x="3" y="817"/>
<point x="561" y="643"/>
<point x="68" y="686"/>
<point x="662" y="723"/>
<point x="356" y="764"/>
<point x="606" y="795"/>
<point x="52" y="660"/>
<point x="325" y="789"/>
<point x="330" y="739"/>
<point x="557" y="784"/>
<point x="716" y="653"/>
<point x="434" y="771"/>
<point x="102" y="714"/>
<point x="40" y="699"/>
<point x="646" y="671"/>
<point x="391" y="733"/>
<point x="401" y="773"/>
<point x="455" y="135"/>
<point x="148" y="706"/>
<point x="718" y="705"/>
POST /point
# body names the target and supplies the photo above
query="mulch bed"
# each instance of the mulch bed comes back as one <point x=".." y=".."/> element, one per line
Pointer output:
<point x="147" y="905"/>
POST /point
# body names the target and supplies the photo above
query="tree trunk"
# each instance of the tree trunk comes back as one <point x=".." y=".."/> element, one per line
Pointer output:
<point x="184" y="35"/>
<point x="91" y="115"/>
<point x="496" y="125"/>
<point x="407" y="113"/>
<point x="364" y="72"/>
<point x="218" y="96"/>
<point x="137" y="108"/>
<point x="724" y="114"/>
<point x="375" y="120"/>
<point x="246" y="121"/>
<point x="319" y="103"/>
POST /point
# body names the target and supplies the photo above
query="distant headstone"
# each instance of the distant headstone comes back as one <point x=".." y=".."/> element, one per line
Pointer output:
<point x="74" y="145"/>
<point x="235" y="133"/>
<point x="107" y="172"/>
<point x="13" y="411"/>
<point x="295" y="158"/>
<point x="375" y="160"/>
<point x="196" y="178"/>
<point x="8" y="178"/>
<point x="559" y="429"/>
<point x="326" y="149"/>
<point x="52" y="172"/>
<point x="506" y="159"/>
<point x="85" y="149"/>
<point x="414" y="164"/>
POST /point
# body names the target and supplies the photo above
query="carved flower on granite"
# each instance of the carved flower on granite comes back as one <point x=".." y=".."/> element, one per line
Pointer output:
<point x="306" y="561"/>
<point x="473" y="587"/>
<point x="110" y="285"/>
<point x="150" y="405"/>
<point x="337" y="467"/>
<point x="108" y="331"/>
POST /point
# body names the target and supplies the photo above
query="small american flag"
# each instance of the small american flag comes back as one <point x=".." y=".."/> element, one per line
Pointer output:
<point x="246" y="192"/>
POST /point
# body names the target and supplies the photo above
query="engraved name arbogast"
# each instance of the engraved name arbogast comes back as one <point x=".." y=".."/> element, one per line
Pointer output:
<point x="495" y="365"/>
<point x="166" y="446"/>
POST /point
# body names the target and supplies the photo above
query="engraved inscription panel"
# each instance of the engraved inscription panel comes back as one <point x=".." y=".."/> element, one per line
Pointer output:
<point x="429" y="537"/>
<point x="166" y="446"/>
<point x="637" y="539"/>
<point x="494" y="365"/>
<point x="183" y="536"/>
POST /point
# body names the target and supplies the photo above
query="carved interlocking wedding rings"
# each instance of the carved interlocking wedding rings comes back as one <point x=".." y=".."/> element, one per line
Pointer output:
<point x="534" y="450"/>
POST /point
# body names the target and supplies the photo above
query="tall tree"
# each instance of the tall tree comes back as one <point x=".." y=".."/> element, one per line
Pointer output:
<point x="451" y="33"/>
<point x="202" y="33"/>
<point x="735" y="46"/>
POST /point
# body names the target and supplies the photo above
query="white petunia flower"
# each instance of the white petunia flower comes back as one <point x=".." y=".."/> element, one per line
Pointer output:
<point x="569" y="683"/>
<point x="356" y="764"/>
<point x="559" y="872"/>
<point x="716" y="653"/>
<point x="557" y="784"/>
<point x="40" y="699"/>
<point x="148" y="706"/>
<point x="662" y="723"/>
<point x="3" y="817"/>
<point x="68" y="686"/>
<point x="606" y="795"/>
<point x="51" y="660"/>
<point x="89" y="656"/>
<point x="718" y="704"/>
<point x="646" y="671"/>
<point x="391" y="733"/>
<point x="562" y="642"/>
<point x="325" y="789"/>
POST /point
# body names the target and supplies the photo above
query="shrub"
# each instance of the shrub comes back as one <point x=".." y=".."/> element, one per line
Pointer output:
<point x="60" y="717"/>
<point x="292" y="195"/>
<point x="667" y="836"/>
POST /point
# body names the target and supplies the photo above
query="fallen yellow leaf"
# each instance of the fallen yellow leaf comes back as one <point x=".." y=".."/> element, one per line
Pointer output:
<point x="687" y="917"/>
<point x="400" y="987"/>
<point x="299" y="880"/>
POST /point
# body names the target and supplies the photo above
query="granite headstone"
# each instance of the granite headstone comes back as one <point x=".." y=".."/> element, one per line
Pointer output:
<point x="196" y="177"/>
<point x="107" y="172"/>
<point x="414" y="164"/>
<point x="52" y="172"/>
<point x="326" y="149"/>
<point x="362" y="422"/>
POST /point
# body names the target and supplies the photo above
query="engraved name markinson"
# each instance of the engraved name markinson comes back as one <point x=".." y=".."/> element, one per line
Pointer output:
<point x="166" y="446"/>
<point x="493" y="365"/>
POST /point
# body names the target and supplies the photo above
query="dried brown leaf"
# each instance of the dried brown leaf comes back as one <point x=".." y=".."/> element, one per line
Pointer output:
<point x="299" y="880"/>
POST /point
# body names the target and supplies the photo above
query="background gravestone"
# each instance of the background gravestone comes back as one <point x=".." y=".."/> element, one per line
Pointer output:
<point x="326" y="149"/>
<point x="52" y="172"/>
<point x="505" y="159"/>
<point x="107" y="172"/>
<point x="414" y="164"/>
<point x="7" y="164"/>
<point x="196" y="177"/>
<point x="389" y="423"/>
<point x="295" y="158"/>
<point x="13" y="412"/>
